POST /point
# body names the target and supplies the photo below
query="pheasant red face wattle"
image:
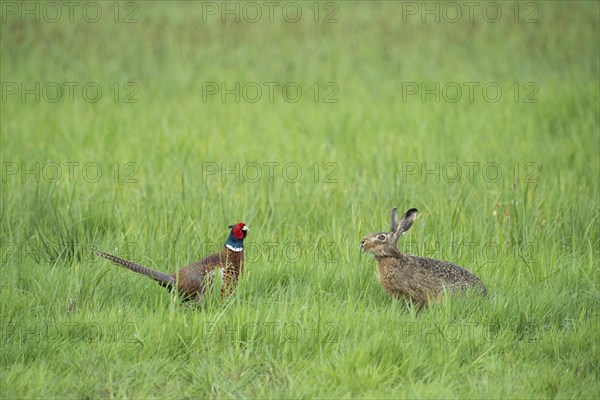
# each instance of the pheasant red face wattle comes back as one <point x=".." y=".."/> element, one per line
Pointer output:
<point x="239" y="230"/>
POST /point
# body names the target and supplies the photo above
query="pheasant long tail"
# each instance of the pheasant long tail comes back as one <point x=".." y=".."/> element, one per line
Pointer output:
<point x="164" y="279"/>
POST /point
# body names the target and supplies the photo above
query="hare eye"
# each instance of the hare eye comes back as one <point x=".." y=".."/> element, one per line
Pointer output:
<point x="381" y="237"/>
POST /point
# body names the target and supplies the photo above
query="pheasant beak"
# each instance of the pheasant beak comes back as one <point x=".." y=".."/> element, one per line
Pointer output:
<point x="245" y="228"/>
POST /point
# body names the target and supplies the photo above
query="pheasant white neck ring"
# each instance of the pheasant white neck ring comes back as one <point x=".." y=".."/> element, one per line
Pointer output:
<point x="232" y="248"/>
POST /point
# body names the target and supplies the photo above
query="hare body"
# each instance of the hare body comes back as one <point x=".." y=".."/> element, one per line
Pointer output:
<point x="418" y="278"/>
<point x="423" y="279"/>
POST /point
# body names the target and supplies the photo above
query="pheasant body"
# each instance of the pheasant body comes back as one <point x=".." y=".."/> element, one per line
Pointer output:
<point x="194" y="279"/>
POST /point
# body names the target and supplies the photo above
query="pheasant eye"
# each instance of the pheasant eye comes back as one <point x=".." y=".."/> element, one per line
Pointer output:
<point x="381" y="237"/>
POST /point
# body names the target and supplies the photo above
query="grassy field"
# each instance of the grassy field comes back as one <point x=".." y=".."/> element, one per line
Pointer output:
<point x="148" y="132"/>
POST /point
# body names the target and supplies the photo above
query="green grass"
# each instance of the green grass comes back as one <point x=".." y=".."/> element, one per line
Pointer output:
<point x="309" y="318"/>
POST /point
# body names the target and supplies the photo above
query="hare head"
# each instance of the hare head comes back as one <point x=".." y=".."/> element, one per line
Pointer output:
<point x="384" y="244"/>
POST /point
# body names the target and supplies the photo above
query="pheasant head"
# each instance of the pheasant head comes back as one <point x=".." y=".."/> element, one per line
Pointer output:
<point x="235" y="241"/>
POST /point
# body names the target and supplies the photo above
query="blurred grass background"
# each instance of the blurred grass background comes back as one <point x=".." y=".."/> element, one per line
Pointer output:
<point x="73" y="326"/>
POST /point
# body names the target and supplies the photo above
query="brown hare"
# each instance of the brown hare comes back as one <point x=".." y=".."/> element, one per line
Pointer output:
<point x="419" y="279"/>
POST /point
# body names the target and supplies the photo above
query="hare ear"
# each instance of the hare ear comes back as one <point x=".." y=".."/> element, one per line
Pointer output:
<point x="406" y="222"/>
<point x="395" y="220"/>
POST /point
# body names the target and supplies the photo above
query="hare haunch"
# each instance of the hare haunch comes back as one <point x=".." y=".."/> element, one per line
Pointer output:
<point x="418" y="278"/>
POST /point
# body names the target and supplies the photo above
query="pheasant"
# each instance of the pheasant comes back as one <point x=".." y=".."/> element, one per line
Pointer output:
<point x="192" y="280"/>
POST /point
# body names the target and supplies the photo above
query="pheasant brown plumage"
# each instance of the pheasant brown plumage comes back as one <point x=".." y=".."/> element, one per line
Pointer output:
<point x="193" y="280"/>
